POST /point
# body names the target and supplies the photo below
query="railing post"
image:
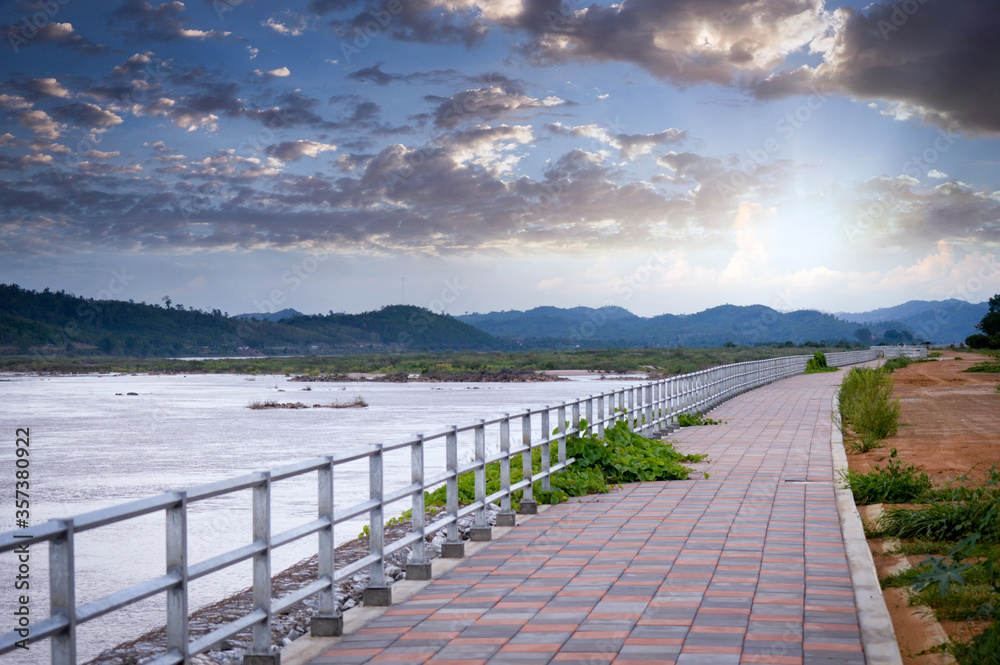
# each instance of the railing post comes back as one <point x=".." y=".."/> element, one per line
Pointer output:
<point x="506" y="515"/>
<point x="261" y="653"/>
<point x="590" y="414"/>
<point x="177" y="595"/>
<point x="453" y="547"/>
<point x="576" y="418"/>
<point x="328" y="622"/>
<point x="633" y="421"/>
<point x="480" y="531"/>
<point x="377" y="593"/>
<point x="418" y="567"/>
<point x="546" y="451"/>
<point x="600" y="416"/>
<point x="648" y="410"/>
<point x="62" y="594"/>
<point x="527" y="505"/>
<point x="561" y="414"/>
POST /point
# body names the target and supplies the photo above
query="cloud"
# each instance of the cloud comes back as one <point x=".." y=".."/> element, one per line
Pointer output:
<point x="97" y="154"/>
<point x="135" y="63"/>
<point x="291" y="151"/>
<point x="490" y="102"/>
<point x="939" y="62"/>
<point x="50" y="87"/>
<point x="295" y="29"/>
<point x="87" y="115"/>
<point x="629" y="146"/>
<point x="139" y="21"/>
<point x="41" y="123"/>
<point x="423" y="21"/>
<point x="61" y="34"/>
<point x="374" y="74"/>
<point x="14" y="102"/>
<point x="280" y="72"/>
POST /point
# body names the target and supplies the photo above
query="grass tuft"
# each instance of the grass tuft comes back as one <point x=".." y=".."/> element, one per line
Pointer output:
<point x="892" y="483"/>
<point x="867" y="406"/>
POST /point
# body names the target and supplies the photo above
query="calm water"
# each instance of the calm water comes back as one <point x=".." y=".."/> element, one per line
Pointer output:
<point x="92" y="448"/>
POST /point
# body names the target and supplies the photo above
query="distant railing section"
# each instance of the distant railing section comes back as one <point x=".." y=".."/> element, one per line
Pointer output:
<point x="897" y="351"/>
<point x="646" y="408"/>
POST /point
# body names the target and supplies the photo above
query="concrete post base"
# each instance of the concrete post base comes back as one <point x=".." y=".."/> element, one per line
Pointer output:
<point x="418" y="571"/>
<point x="453" y="550"/>
<point x="528" y="508"/>
<point x="507" y="519"/>
<point x="481" y="534"/>
<point x="378" y="596"/>
<point x="327" y="626"/>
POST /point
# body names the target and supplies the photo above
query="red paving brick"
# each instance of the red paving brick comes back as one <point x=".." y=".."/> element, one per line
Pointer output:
<point x="741" y="567"/>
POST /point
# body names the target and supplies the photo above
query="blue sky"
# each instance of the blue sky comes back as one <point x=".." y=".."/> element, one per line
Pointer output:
<point x="663" y="156"/>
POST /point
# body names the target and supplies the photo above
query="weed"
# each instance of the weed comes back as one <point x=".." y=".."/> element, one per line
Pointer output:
<point x="864" y="444"/>
<point x="695" y="419"/>
<point x="955" y="514"/>
<point x="934" y="354"/>
<point x="866" y="403"/>
<point x="817" y="364"/>
<point x="989" y="366"/>
<point x="892" y="483"/>
<point x="898" y="362"/>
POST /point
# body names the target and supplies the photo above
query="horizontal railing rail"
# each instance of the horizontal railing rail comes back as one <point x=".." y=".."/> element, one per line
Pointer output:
<point x="646" y="408"/>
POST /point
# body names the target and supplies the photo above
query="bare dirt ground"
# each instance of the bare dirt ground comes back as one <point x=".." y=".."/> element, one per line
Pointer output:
<point x="951" y="419"/>
<point x="952" y="429"/>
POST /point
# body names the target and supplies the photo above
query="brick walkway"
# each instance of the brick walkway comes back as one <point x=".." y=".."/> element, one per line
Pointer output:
<point x="747" y="566"/>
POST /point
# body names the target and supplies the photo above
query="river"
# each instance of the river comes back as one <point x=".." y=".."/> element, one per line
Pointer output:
<point x="93" y="445"/>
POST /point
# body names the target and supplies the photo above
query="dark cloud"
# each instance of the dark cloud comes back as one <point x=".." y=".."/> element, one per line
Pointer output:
<point x="424" y="21"/>
<point x="498" y="99"/>
<point x="139" y="21"/>
<point x="374" y="74"/>
<point x="940" y="61"/>
<point x="61" y="34"/>
<point x="86" y="115"/>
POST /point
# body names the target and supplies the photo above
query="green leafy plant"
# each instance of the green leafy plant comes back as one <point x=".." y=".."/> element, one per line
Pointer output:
<point x="892" y="483"/>
<point x="622" y="456"/>
<point x="817" y="364"/>
<point x="695" y="419"/>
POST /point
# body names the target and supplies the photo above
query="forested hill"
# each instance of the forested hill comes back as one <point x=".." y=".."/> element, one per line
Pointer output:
<point x="58" y="323"/>
<point x="749" y="325"/>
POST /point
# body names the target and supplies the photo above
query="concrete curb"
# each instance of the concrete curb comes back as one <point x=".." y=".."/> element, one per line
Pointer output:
<point x="877" y="635"/>
<point x="307" y="648"/>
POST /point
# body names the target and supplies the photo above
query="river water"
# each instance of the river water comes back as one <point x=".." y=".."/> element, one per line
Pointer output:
<point x="93" y="446"/>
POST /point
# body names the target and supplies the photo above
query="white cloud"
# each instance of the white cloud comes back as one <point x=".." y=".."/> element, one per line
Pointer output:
<point x="39" y="122"/>
<point x="14" y="102"/>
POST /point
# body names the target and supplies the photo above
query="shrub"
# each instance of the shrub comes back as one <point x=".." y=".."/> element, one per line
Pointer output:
<point x="866" y="403"/>
<point x="898" y="362"/>
<point x="892" y="483"/>
<point x="818" y="364"/>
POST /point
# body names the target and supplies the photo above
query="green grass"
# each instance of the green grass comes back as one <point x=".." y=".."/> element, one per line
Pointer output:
<point x="892" y="483"/>
<point x="863" y="444"/>
<point x="961" y="603"/>
<point x="989" y="367"/>
<point x="867" y="407"/>
<point x="955" y="513"/>
<point x="898" y="362"/>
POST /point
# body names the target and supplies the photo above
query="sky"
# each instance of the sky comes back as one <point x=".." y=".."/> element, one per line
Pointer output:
<point x="464" y="156"/>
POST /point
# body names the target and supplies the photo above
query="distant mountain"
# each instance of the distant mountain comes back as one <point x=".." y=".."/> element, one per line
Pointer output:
<point x="939" y="321"/>
<point x="274" y="316"/>
<point x="614" y="326"/>
<point x="56" y="323"/>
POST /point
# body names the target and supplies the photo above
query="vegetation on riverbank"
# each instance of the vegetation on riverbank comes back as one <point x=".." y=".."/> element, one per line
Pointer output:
<point x="622" y="456"/>
<point x="868" y="410"/>
<point x="666" y="362"/>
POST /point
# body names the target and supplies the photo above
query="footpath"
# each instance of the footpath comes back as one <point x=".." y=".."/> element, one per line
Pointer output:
<point x="746" y="566"/>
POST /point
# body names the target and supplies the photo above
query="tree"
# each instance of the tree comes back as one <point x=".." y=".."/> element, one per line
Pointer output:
<point x="989" y="327"/>
<point x="863" y="335"/>
<point x="167" y="301"/>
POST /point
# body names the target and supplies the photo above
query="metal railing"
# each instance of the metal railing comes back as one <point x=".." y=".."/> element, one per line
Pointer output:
<point x="645" y="408"/>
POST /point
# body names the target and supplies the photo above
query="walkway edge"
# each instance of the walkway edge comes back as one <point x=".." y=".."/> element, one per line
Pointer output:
<point x="877" y="635"/>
